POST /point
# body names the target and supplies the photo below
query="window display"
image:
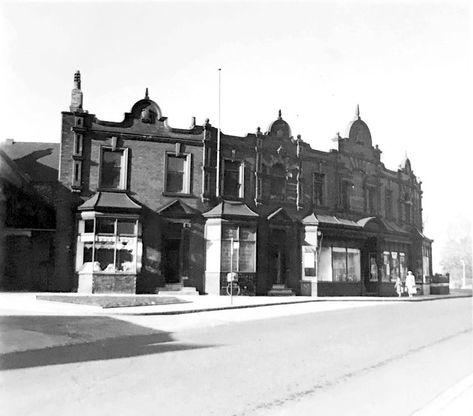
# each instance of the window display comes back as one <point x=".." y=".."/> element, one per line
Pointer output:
<point x="346" y="264"/>
<point x="107" y="245"/>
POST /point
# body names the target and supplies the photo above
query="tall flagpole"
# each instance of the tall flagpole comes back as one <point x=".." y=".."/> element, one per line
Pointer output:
<point x="217" y="181"/>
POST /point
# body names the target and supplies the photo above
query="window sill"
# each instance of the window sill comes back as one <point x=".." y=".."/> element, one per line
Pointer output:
<point x="121" y="190"/>
<point x="109" y="273"/>
<point x="233" y="198"/>
<point x="180" y="195"/>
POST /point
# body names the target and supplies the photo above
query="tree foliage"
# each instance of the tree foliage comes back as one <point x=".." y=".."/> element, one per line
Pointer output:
<point x="457" y="250"/>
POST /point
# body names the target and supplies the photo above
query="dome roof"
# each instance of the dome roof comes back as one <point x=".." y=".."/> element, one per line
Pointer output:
<point x="279" y="127"/>
<point x="359" y="131"/>
<point x="146" y="109"/>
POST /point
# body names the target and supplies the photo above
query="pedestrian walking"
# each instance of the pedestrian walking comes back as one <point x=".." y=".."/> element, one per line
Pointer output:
<point x="411" y="284"/>
<point x="398" y="286"/>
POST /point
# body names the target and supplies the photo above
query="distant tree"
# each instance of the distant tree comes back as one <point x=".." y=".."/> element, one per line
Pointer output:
<point x="457" y="249"/>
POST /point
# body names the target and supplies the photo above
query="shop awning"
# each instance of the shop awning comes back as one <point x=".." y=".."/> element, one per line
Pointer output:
<point x="336" y="221"/>
<point x="110" y="201"/>
<point x="230" y="209"/>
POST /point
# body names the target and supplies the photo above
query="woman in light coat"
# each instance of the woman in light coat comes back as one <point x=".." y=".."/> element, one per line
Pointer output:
<point x="411" y="284"/>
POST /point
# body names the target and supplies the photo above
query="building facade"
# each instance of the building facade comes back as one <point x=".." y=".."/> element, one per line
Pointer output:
<point x="146" y="207"/>
<point x="28" y="185"/>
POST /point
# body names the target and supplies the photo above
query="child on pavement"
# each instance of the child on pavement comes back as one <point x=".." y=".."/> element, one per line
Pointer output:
<point x="398" y="286"/>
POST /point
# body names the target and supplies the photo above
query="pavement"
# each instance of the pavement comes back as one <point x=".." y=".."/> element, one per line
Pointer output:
<point x="22" y="303"/>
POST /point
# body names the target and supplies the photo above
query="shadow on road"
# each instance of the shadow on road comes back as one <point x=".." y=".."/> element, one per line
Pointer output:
<point x="66" y="340"/>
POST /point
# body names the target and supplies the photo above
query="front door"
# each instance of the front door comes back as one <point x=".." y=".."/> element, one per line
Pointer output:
<point x="369" y="266"/>
<point x="172" y="260"/>
<point x="277" y="257"/>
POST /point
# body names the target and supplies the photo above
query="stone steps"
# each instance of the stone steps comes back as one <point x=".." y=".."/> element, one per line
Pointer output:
<point x="176" y="289"/>
<point x="281" y="290"/>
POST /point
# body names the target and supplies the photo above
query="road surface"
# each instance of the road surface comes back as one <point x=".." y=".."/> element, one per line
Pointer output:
<point x="389" y="358"/>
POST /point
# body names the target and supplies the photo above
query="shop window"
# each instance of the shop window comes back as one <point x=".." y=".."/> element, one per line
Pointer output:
<point x="386" y="277"/>
<point x="345" y="264"/>
<point x="107" y="245"/>
<point x="402" y="266"/>
<point x="394" y="265"/>
<point x="278" y="182"/>
<point x="373" y="268"/>
<point x="238" y="248"/>
<point x="325" y="265"/>
<point x="319" y="179"/>
<point x="113" y="168"/>
<point x="177" y="173"/>
<point x="233" y="179"/>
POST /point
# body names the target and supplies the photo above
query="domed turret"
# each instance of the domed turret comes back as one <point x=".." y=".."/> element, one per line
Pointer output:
<point x="146" y="110"/>
<point x="279" y="128"/>
<point x="359" y="131"/>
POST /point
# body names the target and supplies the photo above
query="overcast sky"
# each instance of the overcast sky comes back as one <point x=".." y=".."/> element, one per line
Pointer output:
<point x="405" y="63"/>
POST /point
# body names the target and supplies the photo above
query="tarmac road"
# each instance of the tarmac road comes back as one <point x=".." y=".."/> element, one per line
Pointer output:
<point x="389" y="358"/>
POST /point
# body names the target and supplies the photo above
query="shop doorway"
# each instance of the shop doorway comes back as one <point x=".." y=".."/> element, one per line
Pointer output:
<point x="370" y="266"/>
<point x="277" y="257"/>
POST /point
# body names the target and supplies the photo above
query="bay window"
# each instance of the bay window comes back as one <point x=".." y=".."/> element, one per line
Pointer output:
<point x="108" y="244"/>
<point x="238" y="248"/>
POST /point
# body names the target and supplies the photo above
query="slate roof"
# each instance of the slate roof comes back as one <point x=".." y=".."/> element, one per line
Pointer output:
<point x="231" y="209"/>
<point x="108" y="201"/>
<point x="333" y="220"/>
<point x="178" y="209"/>
<point x="38" y="160"/>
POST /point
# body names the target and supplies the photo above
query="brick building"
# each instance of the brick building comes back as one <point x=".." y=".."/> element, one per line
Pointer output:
<point x="28" y="186"/>
<point x="142" y="210"/>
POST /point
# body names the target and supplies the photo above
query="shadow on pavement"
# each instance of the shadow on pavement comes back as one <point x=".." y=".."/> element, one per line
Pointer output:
<point x="66" y="340"/>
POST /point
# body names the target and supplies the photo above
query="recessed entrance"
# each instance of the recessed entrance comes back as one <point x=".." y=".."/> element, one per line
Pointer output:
<point x="277" y="257"/>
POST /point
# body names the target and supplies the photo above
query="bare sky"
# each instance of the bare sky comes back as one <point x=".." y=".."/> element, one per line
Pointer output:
<point x="405" y="62"/>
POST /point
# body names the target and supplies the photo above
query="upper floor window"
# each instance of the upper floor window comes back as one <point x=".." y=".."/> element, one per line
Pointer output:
<point x="177" y="173"/>
<point x="345" y="187"/>
<point x="278" y="182"/>
<point x="233" y="179"/>
<point x="389" y="204"/>
<point x="319" y="179"/>
<point x="371" y="200"/>
<point x="78" y="144"/>
<point x="76" y="173"/>
<point x="113" y="168"/>
<point x="408" y="212"/>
